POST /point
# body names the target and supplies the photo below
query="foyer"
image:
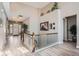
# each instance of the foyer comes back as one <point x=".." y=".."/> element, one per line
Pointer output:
<point x="37" y="29"/>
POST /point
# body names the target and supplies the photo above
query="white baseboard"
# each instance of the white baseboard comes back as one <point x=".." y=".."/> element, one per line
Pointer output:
<point x="47" y="47"/>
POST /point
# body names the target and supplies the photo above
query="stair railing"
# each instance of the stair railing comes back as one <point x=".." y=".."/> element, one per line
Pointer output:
<point x="32" y="41"/>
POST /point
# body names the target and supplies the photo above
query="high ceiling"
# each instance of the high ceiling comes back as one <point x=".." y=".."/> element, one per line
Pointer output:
<point x="36" y="4"/>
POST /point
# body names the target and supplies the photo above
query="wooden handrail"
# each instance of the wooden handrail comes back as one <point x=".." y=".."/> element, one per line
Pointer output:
<point x="33" y="42"/>
<point x="32" y="36"/>
<point x="28" y="34"/>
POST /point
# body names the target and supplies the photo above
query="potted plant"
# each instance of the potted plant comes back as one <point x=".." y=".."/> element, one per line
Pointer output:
<point x="55" y="6"/>
<point x="25" y="27"/>
<point x="73" y="32"/>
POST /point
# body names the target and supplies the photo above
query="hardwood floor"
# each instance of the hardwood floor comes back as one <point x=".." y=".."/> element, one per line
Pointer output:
<point x="66" y="49"/>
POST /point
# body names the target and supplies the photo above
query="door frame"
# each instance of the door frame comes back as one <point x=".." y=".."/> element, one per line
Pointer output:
<point x="65" y="18"/>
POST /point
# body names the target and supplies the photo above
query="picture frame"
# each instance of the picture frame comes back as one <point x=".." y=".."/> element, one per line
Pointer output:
<point x="53" y="23"/>
<point x="44" y="26"/>
<point x="54" y="28"/>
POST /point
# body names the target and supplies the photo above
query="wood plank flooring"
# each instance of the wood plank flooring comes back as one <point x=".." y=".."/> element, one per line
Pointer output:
<point x="66" y="49"/>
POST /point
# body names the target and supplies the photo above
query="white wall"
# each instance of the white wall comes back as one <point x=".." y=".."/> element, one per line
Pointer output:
<point x="54" y="17"/>
<point x="51" y="18"/>
<point x="68" y="8"/>
<point x="27" y="11"/>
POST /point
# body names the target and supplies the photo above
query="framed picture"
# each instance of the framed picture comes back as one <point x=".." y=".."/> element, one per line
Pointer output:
<point x="54" y="28"/>
<point x="44" y="26"/>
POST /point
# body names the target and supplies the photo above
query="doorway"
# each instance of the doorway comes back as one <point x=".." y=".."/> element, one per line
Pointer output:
<point x="14" y="33"/>
<point x="69" y="22"/>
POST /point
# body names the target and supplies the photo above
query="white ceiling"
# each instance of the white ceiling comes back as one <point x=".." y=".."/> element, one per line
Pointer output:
<point x="36" y="4"/>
